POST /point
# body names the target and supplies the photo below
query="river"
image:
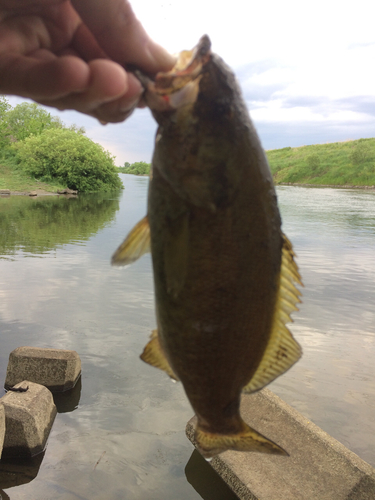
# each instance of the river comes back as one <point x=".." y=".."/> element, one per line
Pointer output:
<point x="121" y="434"/>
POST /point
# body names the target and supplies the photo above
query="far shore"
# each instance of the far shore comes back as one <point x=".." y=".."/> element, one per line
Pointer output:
<point x="339" y="186"/>
<point x="39" y="192"/>
<point x="43" y="192"/>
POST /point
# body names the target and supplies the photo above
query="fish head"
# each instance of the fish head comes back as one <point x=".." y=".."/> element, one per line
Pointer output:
<point x="202" y="124"/>
<point x="179" y="87"/>
<point x="200" y="85"/>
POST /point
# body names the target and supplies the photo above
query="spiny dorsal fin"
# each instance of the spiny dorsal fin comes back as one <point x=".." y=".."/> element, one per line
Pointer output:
<point x="282" y="350"/>
<point x="134" y="246"/>
<point x="153" y="354"/>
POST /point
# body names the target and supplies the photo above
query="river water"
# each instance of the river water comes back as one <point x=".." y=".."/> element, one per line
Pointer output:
<point x="121" y="434"/>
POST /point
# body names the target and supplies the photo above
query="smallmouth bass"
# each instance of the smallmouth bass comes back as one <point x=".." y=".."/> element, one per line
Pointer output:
<point x="224" y="273"/>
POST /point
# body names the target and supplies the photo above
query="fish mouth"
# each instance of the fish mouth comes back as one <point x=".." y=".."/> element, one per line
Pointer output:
<point x="174" y="89"/>
<point x="187" y="68"/>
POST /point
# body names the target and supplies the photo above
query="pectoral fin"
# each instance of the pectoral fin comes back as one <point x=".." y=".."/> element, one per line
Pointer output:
<point x="134" y="246"/>
<point x="153" y="354"/>
<point x="282" y="350"/>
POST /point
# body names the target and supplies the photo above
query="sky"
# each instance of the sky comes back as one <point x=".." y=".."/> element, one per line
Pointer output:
<point x="306" y="69"/>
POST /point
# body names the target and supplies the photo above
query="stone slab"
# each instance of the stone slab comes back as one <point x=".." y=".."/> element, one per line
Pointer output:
<point x="318" y="468"/>
<point x="56" y="369"/>
<point x="2" y="427"/>
<point x="29" y="416"/>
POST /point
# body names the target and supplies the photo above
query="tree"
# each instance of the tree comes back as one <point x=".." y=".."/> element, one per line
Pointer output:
<point x="4" y="108"/>
<point x="75" y="128"/>
<point x="70" y="158"/>
<point x="27" y="119"/>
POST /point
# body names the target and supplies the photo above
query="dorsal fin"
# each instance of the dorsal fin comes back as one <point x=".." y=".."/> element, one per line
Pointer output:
<point x="134" y="246"/>
<point x="282" y="350"/>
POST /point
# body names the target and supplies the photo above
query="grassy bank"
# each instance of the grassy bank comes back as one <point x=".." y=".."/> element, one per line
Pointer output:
<point x="338" y="163"/>
<point x="15" y="179"/>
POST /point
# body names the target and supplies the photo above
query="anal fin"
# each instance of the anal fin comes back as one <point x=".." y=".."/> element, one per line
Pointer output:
<point x="134" y="246"/>
<point x="282" y="350"/>
<point x="153" y="354"/>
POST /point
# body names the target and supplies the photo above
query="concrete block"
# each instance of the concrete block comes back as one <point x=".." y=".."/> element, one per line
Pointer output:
<point x="29" y="416"/>
<point x="2" y="427"/>
<point x="319" y="467"/>
<point x="57" y="369"/>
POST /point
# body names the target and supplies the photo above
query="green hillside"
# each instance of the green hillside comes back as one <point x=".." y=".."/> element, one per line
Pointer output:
<point x="340" y="163"/>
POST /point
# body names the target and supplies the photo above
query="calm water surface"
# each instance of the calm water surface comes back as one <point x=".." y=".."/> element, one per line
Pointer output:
<point x="123" y="436"/>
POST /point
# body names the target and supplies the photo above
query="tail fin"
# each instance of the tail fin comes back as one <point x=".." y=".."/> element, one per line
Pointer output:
<point x="210" y="444"/>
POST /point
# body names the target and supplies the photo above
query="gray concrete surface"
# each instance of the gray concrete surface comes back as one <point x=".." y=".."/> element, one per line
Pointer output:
<point x="29" y="416"/>
<point x="57" y="369"/>
<point x="2" y="427"/>
<point x="318" y="468"/>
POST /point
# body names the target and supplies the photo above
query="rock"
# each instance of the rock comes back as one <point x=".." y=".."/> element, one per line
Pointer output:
<point x="319" y="467"/>
<point x="2" y="427"/>
<point x="56" y="369"/>
<point x="4" y="191"/>
<point x="33" y="193"/>
<point x="29" y="416"/>
<point x="67" y="191"/>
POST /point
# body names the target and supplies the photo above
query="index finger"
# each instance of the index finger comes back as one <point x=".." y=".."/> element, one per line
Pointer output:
<point x="121" y="35"/>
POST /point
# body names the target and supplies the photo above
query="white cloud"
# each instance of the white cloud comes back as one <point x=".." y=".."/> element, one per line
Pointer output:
<point x="306" y="50"/>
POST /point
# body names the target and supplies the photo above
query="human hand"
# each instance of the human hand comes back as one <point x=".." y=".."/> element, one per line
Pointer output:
<point x="70" y="54"/>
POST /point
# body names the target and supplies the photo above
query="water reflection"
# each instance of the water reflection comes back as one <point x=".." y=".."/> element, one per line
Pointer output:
<point x="206" y="481"/>
<point x="18" y="472"/>
<point x="333" y="234"/>
<point x="68" y="401"/>
<point x="38" y="225"/>
<point x="133" y="412"/>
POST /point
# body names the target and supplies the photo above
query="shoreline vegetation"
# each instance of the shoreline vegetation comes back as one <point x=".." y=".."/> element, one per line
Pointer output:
<point x="41" y="155"/>
<point x="38" y="153"/>
<point x="348" y="164"/>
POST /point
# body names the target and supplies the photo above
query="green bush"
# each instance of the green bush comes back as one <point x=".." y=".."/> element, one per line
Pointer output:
<point x="69" y="158"/>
